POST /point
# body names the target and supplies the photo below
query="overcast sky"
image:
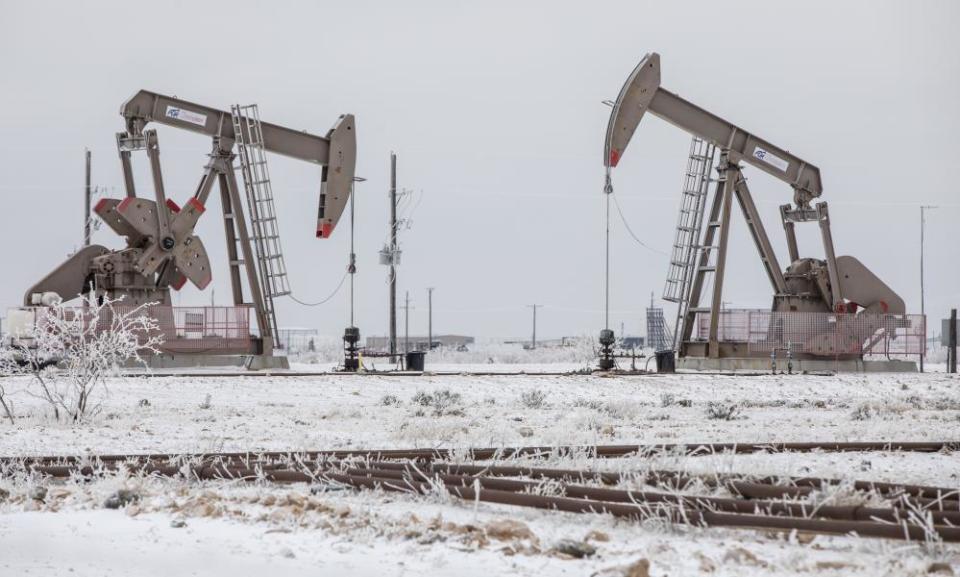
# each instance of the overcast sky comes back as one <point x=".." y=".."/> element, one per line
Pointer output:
<point x="494" y="109"/>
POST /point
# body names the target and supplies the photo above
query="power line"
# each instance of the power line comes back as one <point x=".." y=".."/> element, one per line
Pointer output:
<point x="318" y="303"/>
<point x="630" y="230"/>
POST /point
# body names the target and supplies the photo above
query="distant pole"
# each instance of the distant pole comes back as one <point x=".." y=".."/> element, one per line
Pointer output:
<point x="393" y="256"/>
<point x="87" y="201"/>
<point x="952" y="343"/>
<point x="429" y="318"/>
<point x="923" y="222"/>
<point x="406" y="322"/>
<point x="534" y="307"/>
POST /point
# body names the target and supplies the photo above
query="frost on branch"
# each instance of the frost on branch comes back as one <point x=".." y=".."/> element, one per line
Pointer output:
<point x="70" y="350"/>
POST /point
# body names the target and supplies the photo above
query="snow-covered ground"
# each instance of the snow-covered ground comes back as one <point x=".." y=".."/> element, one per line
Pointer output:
<point x="232" y="529"/>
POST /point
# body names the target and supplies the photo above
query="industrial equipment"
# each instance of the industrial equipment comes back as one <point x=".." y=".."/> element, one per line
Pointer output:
<point x="822" y="308"/>
<point x="163" y="252"/>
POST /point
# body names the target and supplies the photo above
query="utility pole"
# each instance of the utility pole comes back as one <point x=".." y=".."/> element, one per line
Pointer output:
<point x="406" y="323"/>
<point x="393" y="257"/>
<point x="87" y="192"/>
<point x="534" y="307"/>
<point x="429" y="318"/>
<point x="952" y="343"/>
<point x="923" y="222"/>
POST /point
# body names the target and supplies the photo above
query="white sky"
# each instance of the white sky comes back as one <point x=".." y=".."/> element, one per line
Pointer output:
<point x="494" y="109"/>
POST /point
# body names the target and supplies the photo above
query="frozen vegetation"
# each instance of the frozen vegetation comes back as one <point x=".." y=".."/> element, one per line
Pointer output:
<point x="220" y="528"/>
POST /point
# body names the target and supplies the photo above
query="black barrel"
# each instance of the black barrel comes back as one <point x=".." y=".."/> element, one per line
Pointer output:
<point x="666" y="362"/>
<point x="416" y="360"/>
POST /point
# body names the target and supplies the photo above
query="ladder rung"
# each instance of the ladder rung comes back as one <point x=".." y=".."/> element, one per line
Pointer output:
<point x="707" y="269"/>
<point x="698" y="310"/>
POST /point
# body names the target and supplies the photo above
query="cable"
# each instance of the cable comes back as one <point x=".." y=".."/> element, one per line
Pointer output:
<point x="608" y="192"/>
<point x="629" y="230"/>
<point x="333" y="294"/>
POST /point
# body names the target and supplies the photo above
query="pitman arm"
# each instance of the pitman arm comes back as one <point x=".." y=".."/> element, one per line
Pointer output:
<point x="642" y="92"/>
<point x="337" y="152"/>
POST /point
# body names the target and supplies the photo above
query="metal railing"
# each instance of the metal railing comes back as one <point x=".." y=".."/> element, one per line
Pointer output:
<point x="215" y="330"/>
<point x="820" y="334"/>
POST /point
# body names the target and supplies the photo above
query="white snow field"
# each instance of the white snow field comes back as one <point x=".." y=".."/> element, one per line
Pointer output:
<point x="230" y="528"/>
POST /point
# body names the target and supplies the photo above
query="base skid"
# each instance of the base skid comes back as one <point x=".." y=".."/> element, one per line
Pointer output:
<point x="756" y="364"/>
<point x="266" y="362"/>
<point x="212" y="361"/>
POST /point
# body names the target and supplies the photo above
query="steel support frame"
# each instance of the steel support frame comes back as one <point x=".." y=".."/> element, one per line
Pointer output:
<point x="823" y="218"/>
<point x="730" y="183"/>
<point x="228" y="179"/>
<point x="759" y="234"/>
<point x="720" y="218"/>
<point x="219" y="169"/>
<point x="790" y="232"/>
<point x="153" y="154"/>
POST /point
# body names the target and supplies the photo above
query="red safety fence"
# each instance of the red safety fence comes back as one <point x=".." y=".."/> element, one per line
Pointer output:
<point x="216" y="330"/>
<point x="821" y="334"/>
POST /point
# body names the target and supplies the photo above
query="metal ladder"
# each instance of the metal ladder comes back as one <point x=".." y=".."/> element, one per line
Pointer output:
<point x="686" y="248"/>
<point x="263" y="215"/>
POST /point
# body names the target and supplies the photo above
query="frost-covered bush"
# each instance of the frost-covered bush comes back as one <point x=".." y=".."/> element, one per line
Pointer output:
<point x="533" y="399"/>
<point x="593" y="404"/>
<point x="70" y="350"/>
<point x="723" y="411"/>
<point x="421" y="398"/>
<point x="389" y="401"/>
<point x="443" y="401"/>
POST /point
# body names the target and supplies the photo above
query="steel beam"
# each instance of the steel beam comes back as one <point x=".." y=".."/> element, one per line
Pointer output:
<point x="759" y="234"/>
<point x="730" y="173"/>
<point x="699" y="278"/>
<point x="642" y="92"/>
<point x="253" y="278"/>
<point x="823" y="217"/>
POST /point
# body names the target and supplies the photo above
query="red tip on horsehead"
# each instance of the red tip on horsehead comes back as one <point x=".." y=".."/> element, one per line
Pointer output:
<point x="614" y="157"/>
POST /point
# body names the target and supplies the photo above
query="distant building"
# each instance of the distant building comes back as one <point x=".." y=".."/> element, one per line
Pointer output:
<point x="419" y="343"/>
<point x="547" y="343"/>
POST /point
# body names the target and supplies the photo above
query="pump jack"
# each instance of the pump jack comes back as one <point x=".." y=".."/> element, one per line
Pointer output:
<point x="162" y="249"/>
<point x="833" y="285"/>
